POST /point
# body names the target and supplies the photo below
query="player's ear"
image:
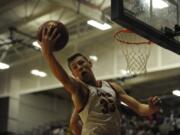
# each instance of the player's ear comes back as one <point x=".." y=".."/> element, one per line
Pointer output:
<point x="90" y="63"/>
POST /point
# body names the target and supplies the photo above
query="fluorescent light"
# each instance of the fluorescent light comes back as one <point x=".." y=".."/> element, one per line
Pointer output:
<point x="158" y="3"/>
<point x="124" y="103"/>
<point x="38" y="73"/>
<point x="36" y="44"/>
<point x="124" y="72"/>
<point x="93" y="57"/>
<point x="4" y="65"/>
<point x="98" y="25"/>
<point x="176" y="92"/>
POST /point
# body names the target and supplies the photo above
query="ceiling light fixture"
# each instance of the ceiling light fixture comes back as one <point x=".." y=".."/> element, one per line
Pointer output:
<point x="36" y="44"/>
<point x="4" y="65"/>
<point x="93" y="57"/>
<point x="101" y="26"/>
<point x="176" y="93"/>
<point x="38" y="73"/>
<point x="158" y="3"/>
<point x="124" y="103"/>
<point x="124" y="72"/>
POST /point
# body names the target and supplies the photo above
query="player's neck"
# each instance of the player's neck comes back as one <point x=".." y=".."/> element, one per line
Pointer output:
<point x="90" y="82"/>
<point x="94" y="83"/>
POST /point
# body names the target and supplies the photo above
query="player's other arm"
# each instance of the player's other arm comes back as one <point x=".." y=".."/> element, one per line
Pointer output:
<point x="140" y="108"/>
<point x="75" y="123"/>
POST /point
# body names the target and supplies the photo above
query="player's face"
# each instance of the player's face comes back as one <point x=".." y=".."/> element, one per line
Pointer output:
<point x="81" y="68"/>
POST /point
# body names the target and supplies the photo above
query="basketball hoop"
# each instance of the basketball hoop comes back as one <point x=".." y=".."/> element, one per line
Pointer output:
<point x="136" y="50"/>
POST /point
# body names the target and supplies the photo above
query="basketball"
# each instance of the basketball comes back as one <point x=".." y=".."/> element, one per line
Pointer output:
<point x="64" y="36"/>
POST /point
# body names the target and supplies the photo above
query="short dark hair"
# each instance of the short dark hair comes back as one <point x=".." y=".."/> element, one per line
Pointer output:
<point x="72" y="57"/>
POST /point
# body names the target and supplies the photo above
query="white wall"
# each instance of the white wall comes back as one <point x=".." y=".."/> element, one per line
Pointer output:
<point x="38" y="109"/>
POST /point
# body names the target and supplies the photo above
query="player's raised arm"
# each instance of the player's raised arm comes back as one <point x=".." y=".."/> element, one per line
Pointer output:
<point x="50" y="36"/>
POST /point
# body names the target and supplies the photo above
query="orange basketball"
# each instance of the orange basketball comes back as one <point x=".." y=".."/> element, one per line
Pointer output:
<point x="64" y="36"/>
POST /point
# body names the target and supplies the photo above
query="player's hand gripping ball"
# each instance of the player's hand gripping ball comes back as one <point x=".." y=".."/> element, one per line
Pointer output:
<point x="61" y="29"/>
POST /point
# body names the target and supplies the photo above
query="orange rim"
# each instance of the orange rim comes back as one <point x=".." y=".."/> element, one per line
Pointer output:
<point x="122" y="31"/>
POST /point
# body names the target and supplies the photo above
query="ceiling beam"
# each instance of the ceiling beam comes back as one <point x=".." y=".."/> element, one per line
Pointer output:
<point x="83" y="9"/>
<point x="21" y="22"/>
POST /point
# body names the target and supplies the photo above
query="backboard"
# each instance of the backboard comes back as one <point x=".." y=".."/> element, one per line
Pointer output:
<point x="156" y="20"/>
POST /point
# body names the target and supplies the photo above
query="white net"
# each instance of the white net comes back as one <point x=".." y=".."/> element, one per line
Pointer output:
<point x="136" y="50"/>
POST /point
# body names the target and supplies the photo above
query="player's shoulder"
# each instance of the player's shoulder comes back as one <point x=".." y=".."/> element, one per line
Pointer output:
<point x="116" y="86"/>
<point x="114" y="83"/>
<point x="77" y="82"/>
<point x="81" y="91"/>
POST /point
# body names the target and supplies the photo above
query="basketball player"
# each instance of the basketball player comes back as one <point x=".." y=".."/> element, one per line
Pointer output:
<point x="95" y="101"/>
